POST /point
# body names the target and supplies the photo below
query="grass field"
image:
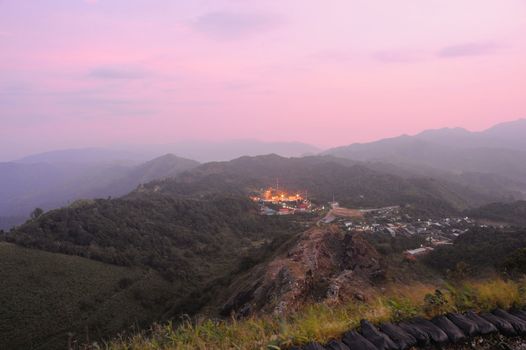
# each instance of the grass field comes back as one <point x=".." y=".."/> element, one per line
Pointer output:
<point x="44" y="296"/>
<point x="322" y="322"/>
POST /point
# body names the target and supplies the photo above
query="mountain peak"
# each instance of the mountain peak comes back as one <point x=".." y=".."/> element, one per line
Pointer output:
<point x="445" y="132"/>
<point x="515" y="128"/>
<point x="263" y="157"/>
<point x="170" y="157"/>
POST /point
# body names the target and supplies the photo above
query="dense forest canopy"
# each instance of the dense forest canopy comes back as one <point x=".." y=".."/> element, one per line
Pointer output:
<point x="481" y="249"/>
<point x="182" y="238"/>
<point x="513" y="213"/>
<point x="321" y="178"/>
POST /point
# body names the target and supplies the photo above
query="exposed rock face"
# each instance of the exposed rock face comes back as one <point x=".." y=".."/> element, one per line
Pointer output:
<point x="325" y="265"/>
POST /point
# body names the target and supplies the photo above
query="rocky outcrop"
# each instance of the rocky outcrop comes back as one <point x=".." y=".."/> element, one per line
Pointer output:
<point x="325" y="264"/>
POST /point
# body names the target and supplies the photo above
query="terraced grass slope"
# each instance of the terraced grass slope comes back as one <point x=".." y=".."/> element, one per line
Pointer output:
<point x="44" y="296"/>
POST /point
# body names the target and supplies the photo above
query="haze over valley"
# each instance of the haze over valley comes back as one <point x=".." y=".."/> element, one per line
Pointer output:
<point x="492" y="163"/>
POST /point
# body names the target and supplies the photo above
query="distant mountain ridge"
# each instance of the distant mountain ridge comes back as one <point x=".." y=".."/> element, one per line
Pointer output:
<point x="159" y="168"/>
<point x="352" y="183"/>
<point x="83" y="156"/>
<point x="509" y="135"/>
<point x="498" y="152"/>
<point x="202" y="151"/>
<point x="491" y="163"/>
<point x="24" y="187"/>
<point x="56" y="178"/>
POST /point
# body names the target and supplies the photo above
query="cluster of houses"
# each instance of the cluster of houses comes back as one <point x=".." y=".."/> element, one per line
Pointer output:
<point x="393" y="222"/>
<point x="273" y="201"/>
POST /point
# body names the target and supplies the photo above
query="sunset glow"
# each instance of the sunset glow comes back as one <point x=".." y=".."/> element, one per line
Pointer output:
<point x="79" y="73"/>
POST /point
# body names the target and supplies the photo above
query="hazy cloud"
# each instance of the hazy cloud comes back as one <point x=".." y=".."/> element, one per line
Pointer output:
<point x="15" y="88"/>
<point x="238" y="85"/>
<point x="332" y="56"/>
<point x="230" y="25"/>
<point x="93" y="107"/>
<point x="109" y="72"/>
<point x="468" y="49"/>
<point x="398" y="56"/>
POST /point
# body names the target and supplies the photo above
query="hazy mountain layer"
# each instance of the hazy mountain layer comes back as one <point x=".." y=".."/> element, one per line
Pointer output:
<point x="321" y="179"/>
<point x="24" y="187"/>
<point x="494" y="159"/>
<point x="203" y="151"/>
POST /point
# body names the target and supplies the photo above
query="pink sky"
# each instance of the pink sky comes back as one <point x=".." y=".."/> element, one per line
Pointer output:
<point x="77" y="73"/>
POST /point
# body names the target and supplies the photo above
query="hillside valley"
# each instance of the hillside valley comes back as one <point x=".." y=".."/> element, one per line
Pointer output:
<point x="211" y="252"/>
<point x="262" y="175"/>
<point x="322" y="178"/>
<point x="488" y="165"/>
<point x="49" y="185"/>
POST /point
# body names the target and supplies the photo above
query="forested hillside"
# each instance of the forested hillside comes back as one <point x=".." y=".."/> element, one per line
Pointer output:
<point x="195" y="245"/>
<point x="188" y="240"/>
<point x="506" y="213"/>
<point x="478" y="251"/>
<point x="352" y="184"/>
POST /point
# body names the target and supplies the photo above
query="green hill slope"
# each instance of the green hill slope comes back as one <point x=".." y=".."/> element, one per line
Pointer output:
<point x="195" y="247"/>
<point x="44" y="296"/>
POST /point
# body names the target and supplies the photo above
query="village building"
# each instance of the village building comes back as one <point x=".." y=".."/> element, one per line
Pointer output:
<point x="413" y="254"/>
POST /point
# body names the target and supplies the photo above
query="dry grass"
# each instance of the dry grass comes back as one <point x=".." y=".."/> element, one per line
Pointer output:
<point x="321" y="322"/>
<point x="498" y="293"/>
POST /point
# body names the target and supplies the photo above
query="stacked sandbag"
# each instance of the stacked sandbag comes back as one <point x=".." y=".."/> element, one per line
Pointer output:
<point x="401" y="338"/>
<point x="467" y="326"/>
<point x="422" y="338"/>
<point x="436" y="335"/>
<point x="519" y="313"/>
<point x="502" y="325"/>
<point x="450" y="328"/>
<point x="355" y="341"/>
<point x="380" y="340"/>
<point x="454" y="333"/>
<point x="336" y="345"/>
<point x="485" y="327"/>
<point x="313" y="346"/>
<point x="518" y="324"/>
